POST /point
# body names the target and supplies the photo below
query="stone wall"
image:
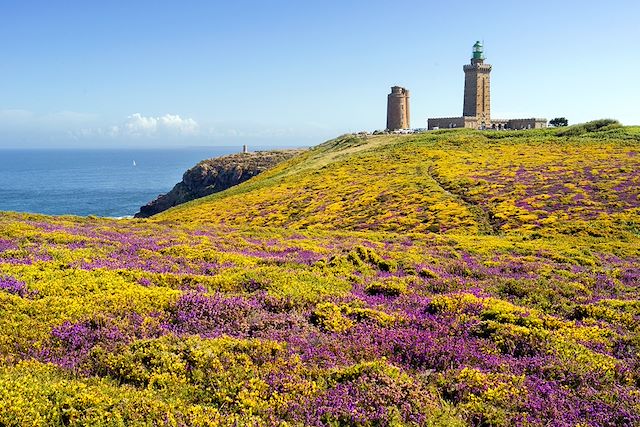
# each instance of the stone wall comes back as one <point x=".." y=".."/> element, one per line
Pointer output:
<point x="453" y="123"/>
<point x="532" y="123"/>
<point x="445" y="123"/>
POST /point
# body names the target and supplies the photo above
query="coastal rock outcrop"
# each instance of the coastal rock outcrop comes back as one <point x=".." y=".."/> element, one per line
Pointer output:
<point x="215" y="175"/>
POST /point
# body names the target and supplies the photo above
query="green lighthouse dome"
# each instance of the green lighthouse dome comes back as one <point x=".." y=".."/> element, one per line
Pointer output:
<point x="478" y="51"/>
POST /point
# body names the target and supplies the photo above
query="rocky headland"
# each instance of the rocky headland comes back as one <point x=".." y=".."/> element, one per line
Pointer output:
<point x="215" y="175"/>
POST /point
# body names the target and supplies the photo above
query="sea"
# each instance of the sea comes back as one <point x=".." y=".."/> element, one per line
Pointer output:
<point x="105" y="182"/>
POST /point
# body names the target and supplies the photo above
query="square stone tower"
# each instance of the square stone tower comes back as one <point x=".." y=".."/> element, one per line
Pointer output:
<point x="398" y="109"/>
<point x="477" y="93"/>
<point x="476" y="113"/>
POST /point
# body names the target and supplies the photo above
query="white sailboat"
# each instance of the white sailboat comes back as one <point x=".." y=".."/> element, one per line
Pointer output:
<point x="134" y="163"/>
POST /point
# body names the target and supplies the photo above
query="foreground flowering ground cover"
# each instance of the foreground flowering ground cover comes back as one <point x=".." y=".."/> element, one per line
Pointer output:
<point x="453" y="278"/>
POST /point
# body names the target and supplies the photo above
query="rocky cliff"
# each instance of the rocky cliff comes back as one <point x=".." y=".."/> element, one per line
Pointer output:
<point x="215" y="175"/>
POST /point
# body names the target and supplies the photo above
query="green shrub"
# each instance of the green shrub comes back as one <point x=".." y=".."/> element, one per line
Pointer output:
<point x="223" y="372"/>
<point x="370" y="256"/>
<point x="328" y="316"/>
<point x="390" y="286"/>
<point x="426" y="273"/>
<point x="592" y="126"/>
<point x="512" y="339"/>
<point x="333" y="318"/>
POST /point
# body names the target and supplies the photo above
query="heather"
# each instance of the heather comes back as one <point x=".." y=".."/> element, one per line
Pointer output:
<point x="449" y="278"/>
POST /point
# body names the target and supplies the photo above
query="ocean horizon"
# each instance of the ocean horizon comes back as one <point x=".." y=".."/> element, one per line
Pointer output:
<point x="93" y="181"/>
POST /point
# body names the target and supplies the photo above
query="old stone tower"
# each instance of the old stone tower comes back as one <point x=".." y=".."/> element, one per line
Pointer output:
<point x="476" y="113"/>
<point x="477" y="93"/>
<point x="398" y="109"/>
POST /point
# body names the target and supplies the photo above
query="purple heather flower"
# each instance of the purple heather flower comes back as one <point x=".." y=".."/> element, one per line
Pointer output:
<point x="16" y="287"/>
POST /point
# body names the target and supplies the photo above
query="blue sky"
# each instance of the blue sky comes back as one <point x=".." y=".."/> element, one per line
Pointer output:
<point x="168" y="73"/>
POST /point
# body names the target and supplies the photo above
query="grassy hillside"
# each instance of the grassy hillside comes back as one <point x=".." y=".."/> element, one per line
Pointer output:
<point x="460" y="181"/>
<point x="449" y="278"/>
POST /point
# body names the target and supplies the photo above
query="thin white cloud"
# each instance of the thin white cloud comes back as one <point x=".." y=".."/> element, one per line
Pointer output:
<point x="167" y="125"/>
<point x="8" y="115"/>
<point x="83" y="124"/>
<point x="67" y="128"/>
<point x="15" y="119"/>
<point x="138" y="126"/>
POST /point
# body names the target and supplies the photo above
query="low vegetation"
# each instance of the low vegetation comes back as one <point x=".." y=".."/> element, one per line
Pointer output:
<point x="446" y="278"/>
